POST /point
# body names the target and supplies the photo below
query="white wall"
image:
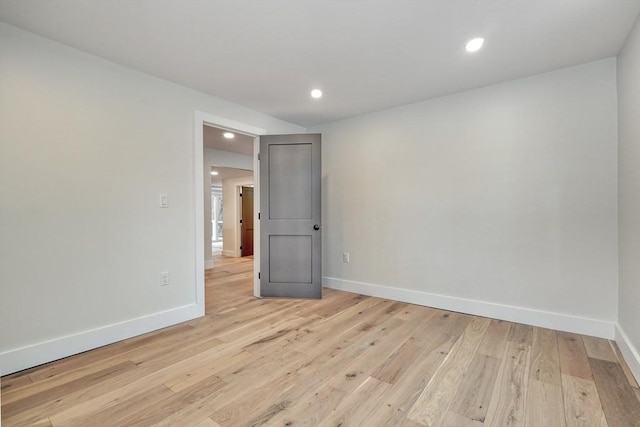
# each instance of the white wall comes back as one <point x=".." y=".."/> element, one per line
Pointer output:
<point x="499" y="201"/>
<point x="86" y="147"/>
<point x="218" y="158"/>
<point x="231" y="214"/>
<point x="629" y="198"/>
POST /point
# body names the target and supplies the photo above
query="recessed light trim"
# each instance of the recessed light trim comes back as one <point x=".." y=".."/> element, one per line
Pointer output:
<point x="228" y="135"/>
<point x="474" y="45"/>
<point x="214" y="173"/>
<point x="316" y="93"/>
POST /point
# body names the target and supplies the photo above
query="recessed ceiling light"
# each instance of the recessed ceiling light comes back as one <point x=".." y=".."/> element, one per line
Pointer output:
<point x="228" y="135"/>
<point x="474" y="45"/>
<point x="214" y="172"/>
<point x="316" y="93"/>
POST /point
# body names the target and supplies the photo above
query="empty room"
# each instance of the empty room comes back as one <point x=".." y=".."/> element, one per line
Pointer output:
<point x="334" y="213"/>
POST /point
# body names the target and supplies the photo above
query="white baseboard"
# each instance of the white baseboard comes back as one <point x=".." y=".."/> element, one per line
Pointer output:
<point x="230" y="253"/>
<point x="629" y="352"/>
<point x="208" y="264"/>
<point x="33" y="355"/>
<point x="527" y="316"/>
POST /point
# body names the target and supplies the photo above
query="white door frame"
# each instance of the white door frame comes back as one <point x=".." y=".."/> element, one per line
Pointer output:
<point x="201" y="119"/>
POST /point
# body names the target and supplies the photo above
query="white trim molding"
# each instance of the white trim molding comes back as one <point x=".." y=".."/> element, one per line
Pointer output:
<point x="527" y="316"/>
<point x="47" y="351"/>
<point x="629" y="352"/>
<point x="198" y="171"/>
<point x="256" y="216"/>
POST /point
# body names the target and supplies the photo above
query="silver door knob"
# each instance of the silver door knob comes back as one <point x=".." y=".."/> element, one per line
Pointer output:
<point x="316" y="227"/>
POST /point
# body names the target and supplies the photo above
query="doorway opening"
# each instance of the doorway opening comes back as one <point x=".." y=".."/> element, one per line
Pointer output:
<point x="220" y="159"/>
<point x="229" y="211"/>
<point x="217" y="219"/>
<point x="202" y="119"/>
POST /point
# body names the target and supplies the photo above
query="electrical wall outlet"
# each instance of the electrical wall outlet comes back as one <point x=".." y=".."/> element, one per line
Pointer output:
<point x="345" y="257"/>
<point x="164" y="278"/>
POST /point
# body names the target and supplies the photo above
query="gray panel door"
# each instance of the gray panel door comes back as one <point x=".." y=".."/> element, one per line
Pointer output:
<point x="290" y="216"/>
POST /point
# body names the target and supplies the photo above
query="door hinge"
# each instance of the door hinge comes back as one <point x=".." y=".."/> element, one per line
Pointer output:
<point x="258" y="156"/>
<point x="240" y="221"/>
<point x="258" y="275"/>
<point x="258" y="215"/>
<point x="240" y="247"/>
<point x="240" y="194"/>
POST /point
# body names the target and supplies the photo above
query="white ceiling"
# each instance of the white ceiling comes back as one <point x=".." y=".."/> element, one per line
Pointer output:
<point x="365" y="55"/>
<point x="228" y="173"/>
<point x="214" y="138"/>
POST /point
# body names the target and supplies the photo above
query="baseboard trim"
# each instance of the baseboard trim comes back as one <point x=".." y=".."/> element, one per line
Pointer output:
<point x="528" y="316"/>
<point x="233" y="254"/>
<point x="33" y="355"/>
<point x="629" y="352"/>
<point x="208" y="264"/>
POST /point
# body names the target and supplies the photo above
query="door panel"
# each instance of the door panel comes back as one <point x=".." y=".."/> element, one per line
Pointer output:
<point x="246" y="228"/>
<point x="290" y="233"/>
<point x="290" y="259"/>
<point x="290" y="198"/>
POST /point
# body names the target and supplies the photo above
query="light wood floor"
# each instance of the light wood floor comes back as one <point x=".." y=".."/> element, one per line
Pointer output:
<point x="345" y="360"/>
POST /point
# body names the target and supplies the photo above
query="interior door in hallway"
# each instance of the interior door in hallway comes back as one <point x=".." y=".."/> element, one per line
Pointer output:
<point x="246" y="223"/>
<point x="290" y="216"/>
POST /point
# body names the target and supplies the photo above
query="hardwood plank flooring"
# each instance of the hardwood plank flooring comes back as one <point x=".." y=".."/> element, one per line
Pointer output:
<point x="582" y="403"/>
<point x="573" y="356"/>
<point x="507" y="404"/>
<point x="433" y="404"/>
<point x="475" y="391"/>
<point x="345" y="360"/>
<point x="620" y="406"/>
